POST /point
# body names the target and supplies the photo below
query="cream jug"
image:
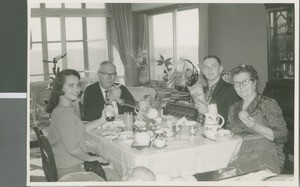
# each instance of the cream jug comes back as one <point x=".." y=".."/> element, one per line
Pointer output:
<point x="211" y="124"/>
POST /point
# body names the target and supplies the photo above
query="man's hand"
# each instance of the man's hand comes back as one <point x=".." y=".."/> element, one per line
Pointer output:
<point x="115" y="92"/>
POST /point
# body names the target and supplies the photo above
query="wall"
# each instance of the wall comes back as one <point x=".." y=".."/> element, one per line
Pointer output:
<point x="237" y="34"/>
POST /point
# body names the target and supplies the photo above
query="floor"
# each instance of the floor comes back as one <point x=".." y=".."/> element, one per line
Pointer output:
<point x="36" y="168"/>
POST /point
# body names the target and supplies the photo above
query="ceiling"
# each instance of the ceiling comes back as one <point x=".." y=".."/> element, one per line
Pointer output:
<point x="147" y="6"/>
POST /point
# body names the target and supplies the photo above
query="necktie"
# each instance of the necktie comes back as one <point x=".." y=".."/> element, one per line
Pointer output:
<point x="106" y="93"/>
<point x="208" y="94"/>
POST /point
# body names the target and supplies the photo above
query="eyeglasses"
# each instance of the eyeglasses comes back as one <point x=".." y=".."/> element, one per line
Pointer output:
<point x="108" y="74"/>
<point x="244" y="82"/>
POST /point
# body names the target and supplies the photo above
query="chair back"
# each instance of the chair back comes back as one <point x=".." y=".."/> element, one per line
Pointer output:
<point x="49" y="165"/>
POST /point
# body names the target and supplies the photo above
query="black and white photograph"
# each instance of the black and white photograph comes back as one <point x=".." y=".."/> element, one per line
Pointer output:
<point x="162" y="93"/>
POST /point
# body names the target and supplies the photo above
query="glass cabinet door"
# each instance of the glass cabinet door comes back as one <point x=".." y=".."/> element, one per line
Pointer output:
<point x="280" y="41"/>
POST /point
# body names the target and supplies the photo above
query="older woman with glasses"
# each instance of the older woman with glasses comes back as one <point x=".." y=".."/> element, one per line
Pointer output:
<point x="255" y="113"/>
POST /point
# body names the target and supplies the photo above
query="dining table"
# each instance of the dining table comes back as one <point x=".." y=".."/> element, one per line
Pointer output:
<point x="185" y="153"/>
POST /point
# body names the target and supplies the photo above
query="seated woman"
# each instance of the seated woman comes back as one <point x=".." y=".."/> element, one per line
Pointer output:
<point x="255" y="113"/>
<point x="66" y="131"/>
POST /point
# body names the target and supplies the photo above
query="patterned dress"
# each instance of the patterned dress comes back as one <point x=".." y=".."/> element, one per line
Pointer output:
<point x="266" y="112"/>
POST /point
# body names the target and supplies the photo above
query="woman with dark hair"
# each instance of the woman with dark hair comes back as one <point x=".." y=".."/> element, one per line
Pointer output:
<point x="256" y="114"/>
<point x="66" y="131"/>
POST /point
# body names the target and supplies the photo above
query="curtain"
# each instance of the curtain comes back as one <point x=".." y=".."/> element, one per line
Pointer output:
<point x="143" y="32"/>
<point x="203" y="36"/>
<point x="121" y="27"/>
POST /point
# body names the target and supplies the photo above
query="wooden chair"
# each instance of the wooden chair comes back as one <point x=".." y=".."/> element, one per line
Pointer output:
<point x="49" y="165"/>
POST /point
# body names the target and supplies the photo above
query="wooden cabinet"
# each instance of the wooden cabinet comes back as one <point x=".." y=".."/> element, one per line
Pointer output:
<point x="281" y="71"/>
<point x="280" y="28"/>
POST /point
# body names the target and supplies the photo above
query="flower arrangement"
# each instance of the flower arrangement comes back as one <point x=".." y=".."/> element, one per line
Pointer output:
<point x="148" y="111"/>
<point x="140" y="57"/>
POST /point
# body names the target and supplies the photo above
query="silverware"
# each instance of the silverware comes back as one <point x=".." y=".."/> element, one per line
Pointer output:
<point x="114" y="139"/>
<point x="208" y="138"/>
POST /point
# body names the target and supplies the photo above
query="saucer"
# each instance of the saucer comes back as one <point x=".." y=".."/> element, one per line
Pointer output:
<point x="224" y="134"/>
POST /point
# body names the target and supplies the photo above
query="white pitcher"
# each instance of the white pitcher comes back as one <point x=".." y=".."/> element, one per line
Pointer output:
<point x="211" y="125"/>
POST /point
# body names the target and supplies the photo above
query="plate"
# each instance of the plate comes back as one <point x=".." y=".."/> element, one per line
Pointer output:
<point x="127" y="142"/>
<point x="154" y="146"/>
<point x="126" y="135"/>
<point x="139" y="147"/>
<point x="112" y="137"/>
<point x="224" y="134"/>
<point x="113" y="124"/>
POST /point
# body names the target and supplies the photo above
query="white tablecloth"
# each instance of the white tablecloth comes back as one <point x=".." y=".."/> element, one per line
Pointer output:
<point x="184" y="155"/>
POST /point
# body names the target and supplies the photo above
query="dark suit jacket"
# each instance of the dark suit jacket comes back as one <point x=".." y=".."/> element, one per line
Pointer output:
<point x="93" y="101"/>
<point x="225" y="95"/>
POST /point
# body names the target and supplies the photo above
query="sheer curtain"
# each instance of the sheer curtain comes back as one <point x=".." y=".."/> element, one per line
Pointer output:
<point x="203" y="36"/>
<point x="122" y="38"/>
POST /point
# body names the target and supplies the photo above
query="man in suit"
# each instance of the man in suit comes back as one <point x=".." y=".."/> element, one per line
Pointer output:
<point x="219" y="90"/>
<point x="95" y="95"/>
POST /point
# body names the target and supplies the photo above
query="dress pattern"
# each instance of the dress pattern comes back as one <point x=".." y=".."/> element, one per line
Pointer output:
<point x="266" y="112"/>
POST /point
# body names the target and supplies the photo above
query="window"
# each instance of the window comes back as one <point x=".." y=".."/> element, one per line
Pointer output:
<point x="173" y="34"/>
<point x="78" y="29"/>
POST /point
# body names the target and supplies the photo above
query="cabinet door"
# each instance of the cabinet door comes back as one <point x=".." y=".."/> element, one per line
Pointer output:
<point x="281" y="41"/>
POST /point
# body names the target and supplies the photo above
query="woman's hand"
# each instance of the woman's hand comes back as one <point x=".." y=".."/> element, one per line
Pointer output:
<point x="97" y="158"/>
<point x="248" y="121"/>
<point x="252" y="124"/>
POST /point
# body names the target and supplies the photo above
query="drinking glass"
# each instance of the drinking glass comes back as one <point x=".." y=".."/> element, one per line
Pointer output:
<point x="128" y="121"/>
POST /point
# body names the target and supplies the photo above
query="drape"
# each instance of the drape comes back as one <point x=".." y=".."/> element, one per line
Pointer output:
<point x="122" y="38"/>
<point x="143" y="32"/>
<point x="203" y="36"/>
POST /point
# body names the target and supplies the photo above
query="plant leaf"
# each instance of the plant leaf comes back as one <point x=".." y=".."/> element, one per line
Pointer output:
<point x="161" y="57"/>
<point x="167" y="63"/>
<point x="160" y="62"/>
<point x="168" y="59"/>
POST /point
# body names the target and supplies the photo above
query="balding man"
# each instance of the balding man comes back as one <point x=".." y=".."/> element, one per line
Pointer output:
<point x="95" y="94"/>
<point x="140" y="173"/>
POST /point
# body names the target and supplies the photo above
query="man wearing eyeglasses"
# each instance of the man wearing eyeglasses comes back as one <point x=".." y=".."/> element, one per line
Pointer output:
<point x="95" y="95"/>
<point x="222" y="92"/>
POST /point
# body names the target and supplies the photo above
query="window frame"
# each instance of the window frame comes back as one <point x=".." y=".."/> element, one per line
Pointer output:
<point x="63" y="13"/>
<point x="163" y="10"/>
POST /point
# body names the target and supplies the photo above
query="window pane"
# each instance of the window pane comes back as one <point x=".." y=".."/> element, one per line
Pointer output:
<point x="96" y="28"/>
<point x="119" y="65"/>
<point x="95" y="5"/>
<point x="36" y="63"/>
<point x="36" y="29"/>
<point x="187" y="35"/>
<point x="75" y="56"/>
<point x="97" y="54"/>
<point x="163" y="41"/>
<point x="53" y="29"/>
<point x="74" y="28"/>
<point x="53" y="5"/>
<point x="72" y="5"/>
<point x="54" y="49"/>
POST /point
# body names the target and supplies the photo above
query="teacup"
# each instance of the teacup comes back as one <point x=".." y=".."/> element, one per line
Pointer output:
<point x="160" y="142"/>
